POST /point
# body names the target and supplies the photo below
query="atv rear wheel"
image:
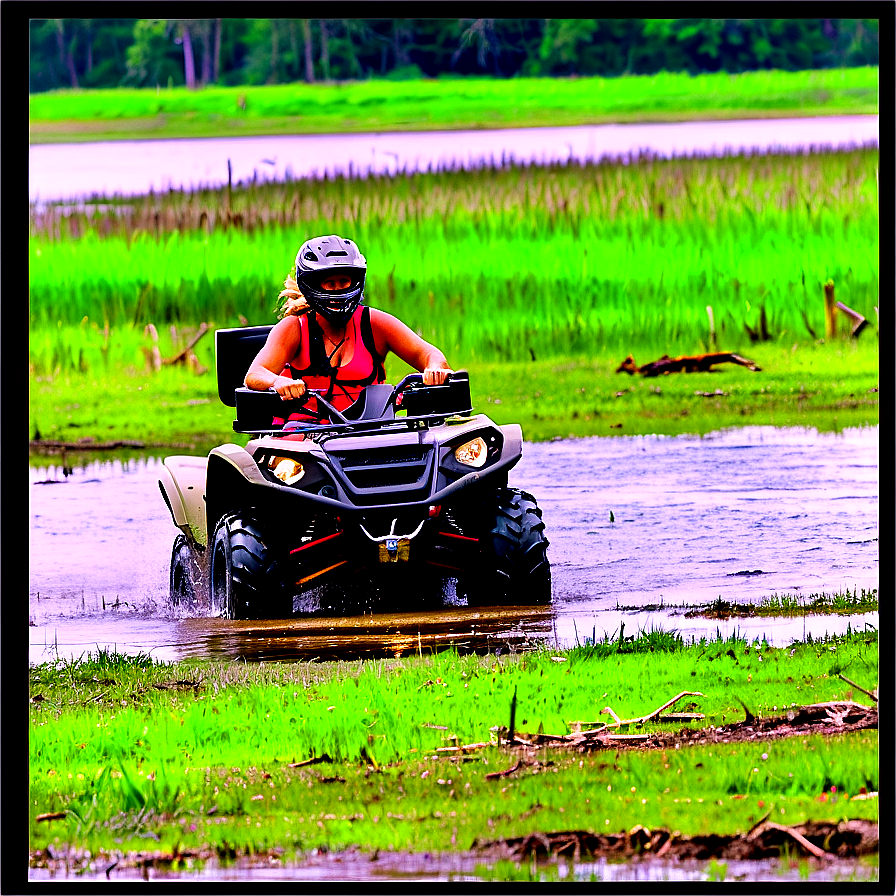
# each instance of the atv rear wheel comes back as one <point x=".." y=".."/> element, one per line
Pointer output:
<point x="185" y="579"/>
<point x="245" y="580"/>
<point x="515" y="568"/>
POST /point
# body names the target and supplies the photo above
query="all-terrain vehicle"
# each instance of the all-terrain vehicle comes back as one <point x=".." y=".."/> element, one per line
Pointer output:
<point x="405" y="487"/>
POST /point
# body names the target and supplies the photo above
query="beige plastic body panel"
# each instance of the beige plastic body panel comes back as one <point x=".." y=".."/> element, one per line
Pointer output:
<point x="239" y="458"/>
<point x="183" y="479"/>
<point x="513" y="438"/>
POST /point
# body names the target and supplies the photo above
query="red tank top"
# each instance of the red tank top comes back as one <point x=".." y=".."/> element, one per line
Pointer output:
<point x="341" y="386"/>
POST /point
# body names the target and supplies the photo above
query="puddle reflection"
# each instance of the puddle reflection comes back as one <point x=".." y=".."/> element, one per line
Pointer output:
<point x="481" y="630"/>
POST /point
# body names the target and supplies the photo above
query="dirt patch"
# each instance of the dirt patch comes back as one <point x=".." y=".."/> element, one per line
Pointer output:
<point x="822" y="840"/>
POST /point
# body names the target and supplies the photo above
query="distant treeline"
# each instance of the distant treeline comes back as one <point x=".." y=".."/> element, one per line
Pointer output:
<point x="89" y="53"/>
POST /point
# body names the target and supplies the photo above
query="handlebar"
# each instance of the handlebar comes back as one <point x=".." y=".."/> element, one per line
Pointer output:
<point x="428" y="402"/>
<point x="303" y="400"/>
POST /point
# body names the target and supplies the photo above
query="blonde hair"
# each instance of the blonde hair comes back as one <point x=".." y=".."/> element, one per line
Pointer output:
<point x="291" y="299"/>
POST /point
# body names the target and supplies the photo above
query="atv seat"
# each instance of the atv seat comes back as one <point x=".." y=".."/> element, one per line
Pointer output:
<point x="235" y="350"/>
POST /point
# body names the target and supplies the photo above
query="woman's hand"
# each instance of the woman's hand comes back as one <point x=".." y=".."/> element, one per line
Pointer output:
<point x="287" y="388"/>
<point x="435" y="376"/>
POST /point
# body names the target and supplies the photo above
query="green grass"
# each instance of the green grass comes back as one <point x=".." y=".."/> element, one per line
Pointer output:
<point x="203" y="754"/>
<point x="827" y="386"/>
<point x="76" y="115"/>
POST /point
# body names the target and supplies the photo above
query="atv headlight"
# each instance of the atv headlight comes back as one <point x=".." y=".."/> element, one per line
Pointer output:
<point x="473" y="453"/>
<point x="287" y="469"/>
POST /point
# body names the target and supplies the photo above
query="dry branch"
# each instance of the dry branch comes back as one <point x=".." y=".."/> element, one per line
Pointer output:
<point x="312" y="761"/>
<point x="860" y="688"/>
<point x="641" y="719"/>
<point x="505" y="772"/>
<point x="811" y="848"/>
<point x="51" y="816"/>
<point x="184" y="353"/>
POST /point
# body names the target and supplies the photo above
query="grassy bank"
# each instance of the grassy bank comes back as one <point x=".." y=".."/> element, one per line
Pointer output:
<point x="775" y="606"/>
<point x="201" y="754"/>
<point x="444" y="104"/>
<point x="825" y="386"/>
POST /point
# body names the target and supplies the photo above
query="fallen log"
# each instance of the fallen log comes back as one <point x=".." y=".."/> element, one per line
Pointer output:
<point x="684" y="364"/>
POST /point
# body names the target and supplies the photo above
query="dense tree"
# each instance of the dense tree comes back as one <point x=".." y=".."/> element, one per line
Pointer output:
<point x="196" y="52"/>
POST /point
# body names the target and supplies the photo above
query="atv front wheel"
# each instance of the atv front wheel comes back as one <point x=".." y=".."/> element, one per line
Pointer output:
<point x="185" y="579"/>
<point x="515" y="568"/>
<point x="245" y="581"/>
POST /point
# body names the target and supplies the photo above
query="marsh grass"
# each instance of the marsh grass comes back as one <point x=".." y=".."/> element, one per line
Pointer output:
<point x="789" y="605"/>
<point x="547" y="261"/>
<point x="428" y="104"/>
<point x="204" y="753"/>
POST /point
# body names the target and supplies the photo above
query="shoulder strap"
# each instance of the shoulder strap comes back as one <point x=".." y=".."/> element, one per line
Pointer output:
<point x="379" y="371"/>
<point x="318" y="364"/>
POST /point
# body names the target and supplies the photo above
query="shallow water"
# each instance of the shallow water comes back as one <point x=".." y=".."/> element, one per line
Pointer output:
<point x="740" y="514"/>
<point x="464" y="867"/>
<point x="79" y="170"/>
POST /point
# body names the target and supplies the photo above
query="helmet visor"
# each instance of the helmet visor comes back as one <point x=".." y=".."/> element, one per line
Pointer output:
<point x="335" y="282"/>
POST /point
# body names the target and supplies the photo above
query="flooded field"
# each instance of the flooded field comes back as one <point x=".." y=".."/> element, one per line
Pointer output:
<point x="635" y="523"/>
<point x="76" y="171"/>
<point x="403" y="868"/>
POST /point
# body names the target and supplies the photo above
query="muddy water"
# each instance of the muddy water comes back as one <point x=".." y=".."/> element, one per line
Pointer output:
<point x="634" y="523"/>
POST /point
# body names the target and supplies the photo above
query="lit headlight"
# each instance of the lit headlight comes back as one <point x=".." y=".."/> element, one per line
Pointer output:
<point x="473" y="453"/>
<point x="286" y="469"/>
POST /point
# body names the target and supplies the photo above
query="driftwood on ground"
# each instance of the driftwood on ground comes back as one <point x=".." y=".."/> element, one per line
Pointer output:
<point x="684" y="364"/>
<point x="820" y="839"/>
<point x="837" y="717"/>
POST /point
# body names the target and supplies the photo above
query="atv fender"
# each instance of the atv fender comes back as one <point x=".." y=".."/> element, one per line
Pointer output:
<point x="513" y="441"/>
<point x="182" y="481"/>
<point x="233" y="476"/>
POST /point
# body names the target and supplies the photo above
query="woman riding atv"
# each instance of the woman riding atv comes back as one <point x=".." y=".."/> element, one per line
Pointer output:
<point x="327" y="340"/>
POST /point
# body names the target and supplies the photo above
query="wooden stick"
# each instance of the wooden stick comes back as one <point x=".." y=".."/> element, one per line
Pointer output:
<point x="755" y="827"/>
<point x="859" y="688"/>
<point x="656" y="712"/>
<point x="182" y="355"/>
<point x="606" y="710"/>
<point x="50" y="816"/>
<point x="859" y="322"/>
<point x="830" y="311"/>
<point x="312" y="761"/>
<point x="806" y="844"/>
<point x="505" y="772"/>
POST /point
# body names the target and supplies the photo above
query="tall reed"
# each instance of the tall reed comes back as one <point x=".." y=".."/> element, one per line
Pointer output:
<point x="547" y="261"/>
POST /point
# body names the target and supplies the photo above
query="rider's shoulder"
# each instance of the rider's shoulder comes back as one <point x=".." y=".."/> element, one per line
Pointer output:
<point x="289" y="328"/>
<point x="382" y="318"/>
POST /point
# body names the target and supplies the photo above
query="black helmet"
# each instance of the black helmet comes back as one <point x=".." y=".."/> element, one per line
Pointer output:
<point x="326" y="256"/>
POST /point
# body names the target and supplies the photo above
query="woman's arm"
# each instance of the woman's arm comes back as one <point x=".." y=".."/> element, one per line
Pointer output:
<point x="390" y="334"/>
<point x="279" y="349"/>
